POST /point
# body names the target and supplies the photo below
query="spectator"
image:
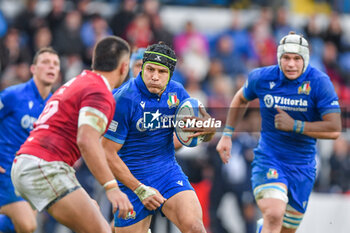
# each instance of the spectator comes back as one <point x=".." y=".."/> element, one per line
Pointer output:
<point x="192" y="47"/>
<point x="160" y="32"/>
<point x="28" y="22"/>
<point x="241" y="35"/>
<point x="91" y="32"/>
<point x="235" y="176"/>
<point x="280" y="24"/>
<point x="264" y="43"/>
<point x="340" y="166"/>
<point x="139" y="33"/>
<point x="15" y="74"/>
<point x="56" y="15"/>
<point x="334" y="32"/>
<point x="68" y="39"/>
<point x="123" y="18"/>
<point x="42" y="38"/>
<point x="225" y="52"/>
<point x="190" y="40"/>
<point x="13" y="51"/>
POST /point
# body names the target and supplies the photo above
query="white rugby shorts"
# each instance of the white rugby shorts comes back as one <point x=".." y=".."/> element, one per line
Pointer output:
<point x="40" y="182"/>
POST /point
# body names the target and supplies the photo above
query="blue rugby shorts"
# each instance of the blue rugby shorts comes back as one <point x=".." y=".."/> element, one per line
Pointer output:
<point x="168" y="182"/>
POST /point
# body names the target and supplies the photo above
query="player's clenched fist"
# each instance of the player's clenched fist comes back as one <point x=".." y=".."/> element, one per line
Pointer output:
<point x="150" y="197"/>
<point x="283" y="121"/>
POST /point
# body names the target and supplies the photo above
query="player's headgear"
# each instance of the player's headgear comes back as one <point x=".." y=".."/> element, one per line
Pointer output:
<point x="293" y="43"/>
<point x="160" y="54"/>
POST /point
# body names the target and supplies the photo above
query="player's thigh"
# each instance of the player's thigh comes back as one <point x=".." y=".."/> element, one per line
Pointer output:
<point x="22" y="215"/>
<point x="139" y="227"/>
<point x="184" y="210"/>
<point x="78" y="212"/>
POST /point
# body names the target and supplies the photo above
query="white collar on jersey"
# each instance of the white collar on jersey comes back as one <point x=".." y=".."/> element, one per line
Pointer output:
<point x="105" y="80"/>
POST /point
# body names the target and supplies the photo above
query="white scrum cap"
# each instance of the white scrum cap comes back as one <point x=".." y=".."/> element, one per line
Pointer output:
<point x="293" y="43"/>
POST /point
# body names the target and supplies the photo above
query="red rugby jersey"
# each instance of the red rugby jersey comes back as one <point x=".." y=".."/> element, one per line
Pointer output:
<point x="54" y="137"/>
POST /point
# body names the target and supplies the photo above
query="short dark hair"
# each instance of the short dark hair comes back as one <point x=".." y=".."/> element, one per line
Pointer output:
<point x="43" y="50"/>
<point x="107" y="53"/>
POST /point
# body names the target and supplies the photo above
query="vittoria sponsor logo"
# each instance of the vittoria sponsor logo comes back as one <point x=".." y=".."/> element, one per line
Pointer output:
<point x="285" y="103"/>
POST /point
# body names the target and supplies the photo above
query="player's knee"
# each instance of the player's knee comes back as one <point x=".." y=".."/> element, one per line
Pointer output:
<point x="273" y="217"/>
<point x="28" y="226"/>
<point x="103" y="228"/>
<point x="193" y="226"/>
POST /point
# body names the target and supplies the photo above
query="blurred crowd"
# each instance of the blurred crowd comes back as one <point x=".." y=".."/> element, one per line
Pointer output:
<point x="211" y="67"/>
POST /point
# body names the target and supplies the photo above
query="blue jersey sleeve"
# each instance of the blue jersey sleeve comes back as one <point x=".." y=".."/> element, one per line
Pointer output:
<point x="119" y="127"/>
<point x="6" y="103"/>
<point x="249" y="88"/>
<point x="327" y="99"/>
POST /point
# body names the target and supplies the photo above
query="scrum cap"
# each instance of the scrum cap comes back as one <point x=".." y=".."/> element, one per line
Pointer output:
<point x="160" y="54"/>
<point x="293" y="43"/>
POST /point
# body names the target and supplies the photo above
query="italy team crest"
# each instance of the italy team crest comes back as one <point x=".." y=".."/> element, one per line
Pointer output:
<point x="272" y="174"/>
<point x="173" y="101"/>
<point x="131" y="215"/>
<point x="305" y="88"/>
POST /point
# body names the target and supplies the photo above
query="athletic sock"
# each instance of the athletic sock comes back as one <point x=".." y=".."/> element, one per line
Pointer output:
<point x="6" y="225"/>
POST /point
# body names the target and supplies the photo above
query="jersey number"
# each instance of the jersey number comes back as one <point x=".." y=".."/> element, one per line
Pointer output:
<point x="49" y="110"/>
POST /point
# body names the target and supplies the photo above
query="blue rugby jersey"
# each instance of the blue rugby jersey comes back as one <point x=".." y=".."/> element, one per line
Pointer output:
<point x="142" y="123"/>
<point x="307" y="98"/>
<point x="20" y="106"/>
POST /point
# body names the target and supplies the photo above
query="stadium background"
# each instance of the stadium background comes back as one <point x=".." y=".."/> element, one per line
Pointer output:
<point x="218" y="42"/>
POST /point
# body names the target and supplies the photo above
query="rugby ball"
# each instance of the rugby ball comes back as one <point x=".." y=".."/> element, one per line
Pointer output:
<point x="187" y="108"/>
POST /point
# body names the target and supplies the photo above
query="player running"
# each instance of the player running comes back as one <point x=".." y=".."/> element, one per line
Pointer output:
<point x="298" y="104"/>
<point x="155" y="180"/>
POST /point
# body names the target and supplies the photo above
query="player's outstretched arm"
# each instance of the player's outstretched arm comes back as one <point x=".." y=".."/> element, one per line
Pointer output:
<point x="88" y="140"/>
<point x="235" y="113"/>
<point x="149" y="196"/>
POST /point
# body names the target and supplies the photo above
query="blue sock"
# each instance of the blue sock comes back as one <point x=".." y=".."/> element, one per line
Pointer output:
<point x="6" y="225"/>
